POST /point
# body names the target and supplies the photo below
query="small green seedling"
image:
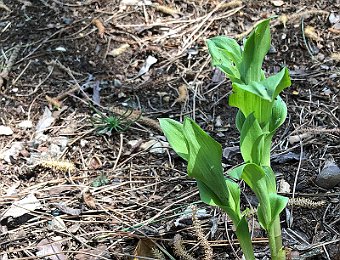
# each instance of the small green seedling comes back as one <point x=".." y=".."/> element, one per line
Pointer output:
<point x="109" y="123"/>
<point x="260" y="112"/>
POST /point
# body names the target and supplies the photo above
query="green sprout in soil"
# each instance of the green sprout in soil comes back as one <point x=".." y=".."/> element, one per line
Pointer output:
<point x="111" y="122"/>
<point x="261" y="111"/>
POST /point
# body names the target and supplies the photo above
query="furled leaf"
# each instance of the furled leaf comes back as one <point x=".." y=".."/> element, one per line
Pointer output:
<point x="173" y="131"/>
<point x="255" y="49"/>
<point x="236" y="172"/>
<point x="279" y="114"/>
<point x="250" y="132"/>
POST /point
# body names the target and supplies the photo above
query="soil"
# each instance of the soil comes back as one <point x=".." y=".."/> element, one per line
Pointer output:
<point x="111" y="196"/>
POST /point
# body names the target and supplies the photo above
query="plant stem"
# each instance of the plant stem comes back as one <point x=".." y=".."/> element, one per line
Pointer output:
<point x="275" y="241"/>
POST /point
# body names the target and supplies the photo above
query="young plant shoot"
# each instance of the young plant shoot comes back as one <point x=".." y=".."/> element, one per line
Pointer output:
<point x="260" y="112"/>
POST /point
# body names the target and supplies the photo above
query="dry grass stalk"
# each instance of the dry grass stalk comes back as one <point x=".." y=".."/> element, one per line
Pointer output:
<point x="158" y="254"/>
<point x="306" y="203"/>
<point x="231" y="4"/>
<point x="208" y="252"/>
<point x="63" y="166"/>
<point x="180" y="249"/>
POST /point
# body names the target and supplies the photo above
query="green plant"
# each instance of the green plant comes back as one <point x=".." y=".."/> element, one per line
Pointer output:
<point x="106" y="124"/>
<point x="260" y="112"/>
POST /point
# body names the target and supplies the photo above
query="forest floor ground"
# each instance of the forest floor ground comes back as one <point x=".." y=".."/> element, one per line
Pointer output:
<point x="92" y="195"/>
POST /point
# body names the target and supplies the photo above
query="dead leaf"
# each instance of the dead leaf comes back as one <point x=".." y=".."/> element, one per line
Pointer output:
<point x="277" y="3"/>
<point x="89" y="200"/>
<point x="100" y="27"/>
<point x="21" y="207"/>
<point x="95" y="163"/>
<point x="120" y="50"/>
<point x="182" y="94"/>
<point x="145" y="248"/>
<point x="51" y="250"/>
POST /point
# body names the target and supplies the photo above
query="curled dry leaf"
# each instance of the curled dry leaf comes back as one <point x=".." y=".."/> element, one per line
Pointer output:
<point x="182" y="94"/>
<point x="120" y="50"/>
<point x="101" y="29"/>
<point x="89" y="200"/>
<point x="150" y="60"/>
<point x="95" y="163"/>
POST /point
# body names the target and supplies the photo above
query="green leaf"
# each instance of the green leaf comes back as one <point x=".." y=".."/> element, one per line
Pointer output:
<point x="277" y="204"/>
<point x="276" y="83"/>
<point x="250" y="133"/>
<point x="204" y="163"/>
<point x="249" y="102"/>
<point x="279" y="114"/>
<point x="243" y="235"/>
<point x="224" y="48"/>
<point x="234" y="194"/>
<point x="240" y="118"/>
<point x="254" y="176"/>
<point x="226" y="54"/>
<point x="236" y="172"/>
<point x="254" y="87"/>
<point x="255" y="49"/>
<point x="257" y="149"/>
<point x="173" y="131"/>
<point x="207" y="195"/>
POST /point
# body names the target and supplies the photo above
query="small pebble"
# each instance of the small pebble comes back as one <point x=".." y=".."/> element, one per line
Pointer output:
<point x="329" y="177"/>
